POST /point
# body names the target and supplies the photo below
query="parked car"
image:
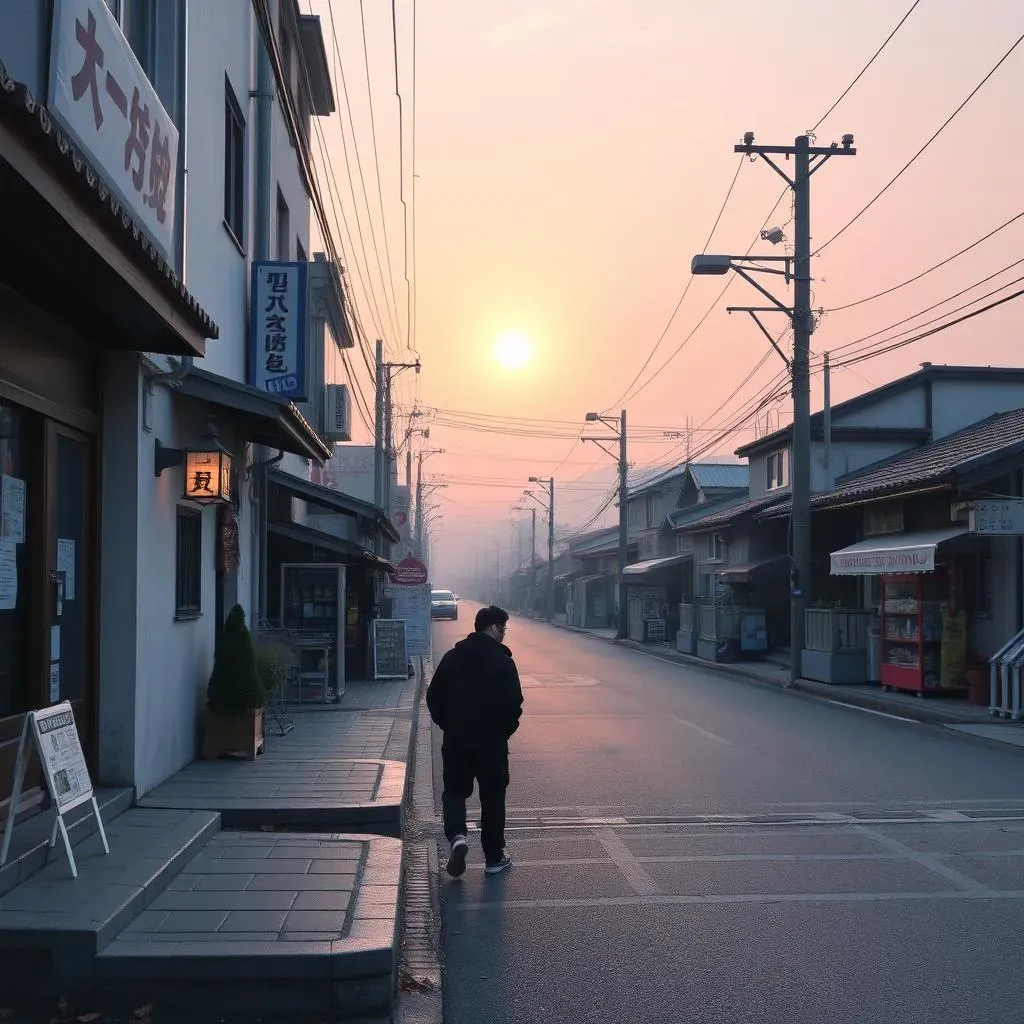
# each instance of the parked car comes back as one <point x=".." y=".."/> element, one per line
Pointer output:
<point x="444" y="605"/>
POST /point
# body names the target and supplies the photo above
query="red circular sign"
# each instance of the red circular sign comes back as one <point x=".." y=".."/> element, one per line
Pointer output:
<point x="410" y="572"/>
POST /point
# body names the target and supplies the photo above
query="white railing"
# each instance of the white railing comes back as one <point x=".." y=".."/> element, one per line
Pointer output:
<point x="1004" y="699"/>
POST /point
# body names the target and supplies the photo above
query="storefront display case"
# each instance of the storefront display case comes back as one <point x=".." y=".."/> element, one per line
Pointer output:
<point x="911" y="629"/>
<point x="313" y="607"/>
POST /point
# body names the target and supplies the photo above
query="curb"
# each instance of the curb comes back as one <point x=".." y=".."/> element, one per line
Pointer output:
<point x="807" y="687"/>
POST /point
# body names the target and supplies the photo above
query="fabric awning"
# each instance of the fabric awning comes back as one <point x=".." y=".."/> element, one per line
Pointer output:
<point x="653" y="565"/>
<point x="262" y="418"/>
<point x="895" y="553"/>
<point x="746" y="571"/>
<point x="348" y="551"/>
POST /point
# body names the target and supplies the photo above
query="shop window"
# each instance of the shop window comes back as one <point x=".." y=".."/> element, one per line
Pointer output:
<point x="234" y="166"/>
<point x="188" y="582"/>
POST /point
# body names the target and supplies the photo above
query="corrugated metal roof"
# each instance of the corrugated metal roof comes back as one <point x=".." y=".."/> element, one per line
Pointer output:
<point x="720" y="474"/>
<point x="939" y="462"/>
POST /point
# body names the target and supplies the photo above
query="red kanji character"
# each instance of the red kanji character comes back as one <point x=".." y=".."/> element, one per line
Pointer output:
<point x="159" y="172"/>
<point x="92" y="61"/>
<point x="138" y="140"/>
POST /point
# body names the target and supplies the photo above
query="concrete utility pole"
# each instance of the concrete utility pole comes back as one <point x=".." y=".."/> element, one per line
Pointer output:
<point x="808" y="159"/>
<point x="533" y="552"/>
<point x="548" y="486"/>
<point x="378" y="429"/>
<point x="620" y="434"/>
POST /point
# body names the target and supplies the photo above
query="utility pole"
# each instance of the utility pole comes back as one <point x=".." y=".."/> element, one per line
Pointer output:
<point x="548" y="486"/>
<point x="620" y="435"/>
<point x="533" y="552"/>
<point x="378" y="430"/>
<point x="419" y="506"/>
<point x="807" y="159"/>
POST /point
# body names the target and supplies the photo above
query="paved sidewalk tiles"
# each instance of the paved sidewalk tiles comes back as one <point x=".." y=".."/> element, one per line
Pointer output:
<point x="255" y="911"/>
<point x="75" y="918"/>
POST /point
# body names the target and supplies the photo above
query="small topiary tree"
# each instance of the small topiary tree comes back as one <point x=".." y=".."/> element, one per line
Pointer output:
<point x="235" y="681"/>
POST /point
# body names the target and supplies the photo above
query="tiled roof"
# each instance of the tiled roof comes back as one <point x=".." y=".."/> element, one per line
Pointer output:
<point x="709" y="475"/>
<point x="940" y="462"/>
<point x="105" y="203"/>
<point x="595" y="541"/>
<point x="722" y="513"/>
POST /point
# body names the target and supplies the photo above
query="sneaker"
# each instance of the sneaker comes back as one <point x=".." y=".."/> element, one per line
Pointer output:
<point x="496" y="867"/>
<point x="457" y="857"/>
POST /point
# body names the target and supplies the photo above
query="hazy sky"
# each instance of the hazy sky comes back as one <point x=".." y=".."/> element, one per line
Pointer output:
<point x="573" y="155"/>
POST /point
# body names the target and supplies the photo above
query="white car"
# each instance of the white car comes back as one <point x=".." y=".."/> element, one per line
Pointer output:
<point x="444" y="605"/>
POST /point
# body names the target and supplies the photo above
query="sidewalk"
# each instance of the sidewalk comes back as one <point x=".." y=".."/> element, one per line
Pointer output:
<point x="955" y="714"/>
<point x="298" y="917"/>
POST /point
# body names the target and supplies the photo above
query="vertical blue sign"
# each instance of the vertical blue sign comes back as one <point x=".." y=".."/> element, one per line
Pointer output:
<point x="278" y="325"/>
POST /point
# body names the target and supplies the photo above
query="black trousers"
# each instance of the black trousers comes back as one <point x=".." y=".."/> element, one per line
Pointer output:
<point x="487" y="765"/>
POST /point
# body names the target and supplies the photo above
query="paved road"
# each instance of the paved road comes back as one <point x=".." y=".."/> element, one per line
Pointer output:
<point x="696" y="849"/>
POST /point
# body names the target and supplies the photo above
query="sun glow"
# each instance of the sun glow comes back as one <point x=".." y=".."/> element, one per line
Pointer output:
<point x="513" y="350"/>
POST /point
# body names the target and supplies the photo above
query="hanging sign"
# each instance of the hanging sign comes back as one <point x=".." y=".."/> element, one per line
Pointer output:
<point x="410" y="572"/>
<point x="55" y="735"/>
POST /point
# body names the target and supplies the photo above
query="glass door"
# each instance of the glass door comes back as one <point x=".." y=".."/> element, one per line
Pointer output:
<point x="69" y="639"/>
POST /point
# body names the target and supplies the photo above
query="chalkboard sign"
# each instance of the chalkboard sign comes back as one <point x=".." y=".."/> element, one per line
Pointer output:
<point x="390" y="656"/>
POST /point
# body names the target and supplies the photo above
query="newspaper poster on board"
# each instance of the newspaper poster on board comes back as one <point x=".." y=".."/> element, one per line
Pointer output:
<point x="55" y="736"/>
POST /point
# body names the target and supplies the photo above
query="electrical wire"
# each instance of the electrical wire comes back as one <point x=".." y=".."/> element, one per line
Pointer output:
<point x="401" y="181"/>
<point x="945" y="124"/>
<point x="924" y="273"/>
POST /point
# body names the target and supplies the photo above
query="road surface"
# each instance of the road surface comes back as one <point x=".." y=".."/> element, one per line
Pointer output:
<point x="694" y="848"/>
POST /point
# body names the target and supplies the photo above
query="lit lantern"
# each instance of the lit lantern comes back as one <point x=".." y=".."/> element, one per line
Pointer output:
<point x="207" y="468"/>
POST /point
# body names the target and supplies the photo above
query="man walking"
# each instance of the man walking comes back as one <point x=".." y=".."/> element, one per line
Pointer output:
<point x="476" y="700"/>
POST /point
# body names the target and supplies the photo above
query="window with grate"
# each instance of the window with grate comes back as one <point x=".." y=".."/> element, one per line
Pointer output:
<point x="188" y="578"/>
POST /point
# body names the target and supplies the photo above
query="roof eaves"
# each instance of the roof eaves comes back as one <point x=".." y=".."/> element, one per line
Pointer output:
<point x="106" y="205"/>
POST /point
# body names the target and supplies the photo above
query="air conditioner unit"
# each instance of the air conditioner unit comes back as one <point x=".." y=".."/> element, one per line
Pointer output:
<point x="337" y="413"/>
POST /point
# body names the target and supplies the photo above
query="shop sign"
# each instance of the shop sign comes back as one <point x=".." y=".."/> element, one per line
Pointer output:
<point x="103" y="99"/>
<point x="278" y="328"/>
<point x="884" y="518"/>
<point x="997" y="518"/>
<point x="894" y="560"/>
<point x="400" y="501"/>
<point x="410" y="572"/>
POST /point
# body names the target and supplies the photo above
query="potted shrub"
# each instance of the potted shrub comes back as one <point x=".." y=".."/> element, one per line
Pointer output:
<point x="235" y="695"/>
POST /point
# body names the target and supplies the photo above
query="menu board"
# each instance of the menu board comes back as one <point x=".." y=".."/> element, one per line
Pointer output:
<point x="412" y="605"/>
<point x="390" y="656"/>
<point x="61" y="753"/>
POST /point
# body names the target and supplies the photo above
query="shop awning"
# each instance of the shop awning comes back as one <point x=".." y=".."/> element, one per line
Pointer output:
<point x="896" y="553"/>
<point x="746" y="571"/>
<point x="261" y="418"/>
<point x="653" y="565"/>
<point x="334" y="501"/>
<point x="347" y="551"/>
<point x="570" y="577"/>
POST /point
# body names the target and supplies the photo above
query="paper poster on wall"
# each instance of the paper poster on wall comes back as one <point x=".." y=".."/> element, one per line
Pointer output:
<point x="12" y="498"/>
<point x="66" y="565"/>
<point x="54" y="682"/>
<point x="8" y="575"/>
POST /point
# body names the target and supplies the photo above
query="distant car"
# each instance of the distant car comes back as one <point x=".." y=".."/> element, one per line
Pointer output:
<point x="444" y="605"/>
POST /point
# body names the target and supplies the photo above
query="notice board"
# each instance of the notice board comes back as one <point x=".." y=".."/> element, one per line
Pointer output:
<point x="412" y="605"/>
<point x="390" y="655"/>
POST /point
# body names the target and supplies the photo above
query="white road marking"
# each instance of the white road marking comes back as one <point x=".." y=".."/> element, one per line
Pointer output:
<point x="872" y="711"/>
<point x="722" y="823"/>
<point x="926" y="861"/>
<point x="632" y="870"/>
<point x="703" y="732"/>
<point x="739" y="899"/>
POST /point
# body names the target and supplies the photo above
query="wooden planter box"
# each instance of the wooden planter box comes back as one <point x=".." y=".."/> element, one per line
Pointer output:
<point x="237" y="733"/>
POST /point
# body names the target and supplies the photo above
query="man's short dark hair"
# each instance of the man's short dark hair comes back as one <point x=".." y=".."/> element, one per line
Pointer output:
<point x="490" y="616"/>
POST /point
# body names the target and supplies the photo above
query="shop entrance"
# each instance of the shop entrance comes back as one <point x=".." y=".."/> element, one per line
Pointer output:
<point x="47" y="580"/>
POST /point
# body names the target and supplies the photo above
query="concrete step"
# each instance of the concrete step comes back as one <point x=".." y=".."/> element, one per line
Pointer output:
<point x="266" y="923"/>
<point x="52" y="925"/>
<point x="30" y="842"/>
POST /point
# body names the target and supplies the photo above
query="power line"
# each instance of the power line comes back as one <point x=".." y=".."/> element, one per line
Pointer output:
<point x="689" y="284"/>
<point x="401" y="180"/>
<point x="860" y="74"/>
<point x="924" y="273"/>
<point x="376" y="162"/>
<point x="913" y="159"/>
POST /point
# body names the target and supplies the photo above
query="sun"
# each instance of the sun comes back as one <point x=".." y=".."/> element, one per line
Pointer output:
<point x="513" y="350"/>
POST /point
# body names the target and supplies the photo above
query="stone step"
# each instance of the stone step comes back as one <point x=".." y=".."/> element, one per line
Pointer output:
<point x="30" y="842"/>
<point x="52" y="925"/>
<point x="266" y="923"/>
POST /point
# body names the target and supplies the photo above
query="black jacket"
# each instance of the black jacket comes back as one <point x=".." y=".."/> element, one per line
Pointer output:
<point x="475" y="695"/>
